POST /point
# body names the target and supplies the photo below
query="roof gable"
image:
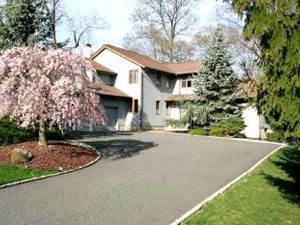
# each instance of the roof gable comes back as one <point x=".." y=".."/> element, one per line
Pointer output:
<point x="146" y="62"/>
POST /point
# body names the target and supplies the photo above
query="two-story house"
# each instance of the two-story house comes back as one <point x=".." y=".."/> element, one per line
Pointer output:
<point x="139" y="92"/>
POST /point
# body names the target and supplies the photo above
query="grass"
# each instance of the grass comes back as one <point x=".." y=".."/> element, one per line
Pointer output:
<point x="269" y="195"/>
<point x="10" y="174"/>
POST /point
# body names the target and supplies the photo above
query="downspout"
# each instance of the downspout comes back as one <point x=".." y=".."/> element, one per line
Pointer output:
<point x="142" y="99"/>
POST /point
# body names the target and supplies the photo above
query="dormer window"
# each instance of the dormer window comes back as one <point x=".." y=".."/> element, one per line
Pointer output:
<point x="133" y="76"/>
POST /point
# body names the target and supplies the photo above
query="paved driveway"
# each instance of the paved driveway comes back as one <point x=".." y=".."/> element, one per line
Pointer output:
<point x="143" y="178"/>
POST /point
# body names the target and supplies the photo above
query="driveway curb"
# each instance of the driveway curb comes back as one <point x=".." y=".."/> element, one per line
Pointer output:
<point x="214" y="137"/>
<point x="226" y="187"/>
<point x="75" y="143"/>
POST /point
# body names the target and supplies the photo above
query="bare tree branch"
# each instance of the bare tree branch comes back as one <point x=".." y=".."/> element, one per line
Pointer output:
<point x="161" y="25"/>
<point x="80" y="25"/>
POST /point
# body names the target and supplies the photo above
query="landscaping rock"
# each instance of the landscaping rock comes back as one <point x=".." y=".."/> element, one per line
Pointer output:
<point x="21" y="155"/>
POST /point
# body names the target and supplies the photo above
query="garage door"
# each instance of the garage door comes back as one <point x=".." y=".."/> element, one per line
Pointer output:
<point x="112" y="116"/>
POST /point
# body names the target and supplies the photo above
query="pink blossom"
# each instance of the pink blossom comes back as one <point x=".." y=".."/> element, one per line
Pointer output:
<point x="48" y="86"/>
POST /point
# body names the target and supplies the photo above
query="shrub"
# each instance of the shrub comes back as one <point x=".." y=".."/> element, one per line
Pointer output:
<point x="217" y="130"/>
<point x="11" y="133"/>
<point x="198" y="131"/>
<point x="175" y="123"/>
<point x="275" y="137"/>
<point x="230" y="127"/>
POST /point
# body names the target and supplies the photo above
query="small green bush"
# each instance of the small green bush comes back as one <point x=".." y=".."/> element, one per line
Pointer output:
<point x="199" y="131"/>
<point x="218" y="131"/>
<point x="11" y="133"/>
<point x="275" y="137"/>
<point x="230" y="127"/>
<point x="175" y="123"/>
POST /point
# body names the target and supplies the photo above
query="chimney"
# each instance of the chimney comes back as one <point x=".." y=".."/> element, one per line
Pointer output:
<point x="87" y="51"/>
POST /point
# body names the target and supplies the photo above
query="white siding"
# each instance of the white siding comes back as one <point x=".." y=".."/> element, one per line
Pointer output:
<point x="122" y="67"/>
<point x="251" y="119"/>
<point x="187" y="91"/>
<point x="176" y="90"/>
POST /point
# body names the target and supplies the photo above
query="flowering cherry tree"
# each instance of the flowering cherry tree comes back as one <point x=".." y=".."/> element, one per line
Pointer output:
<point x="47" y="88"/>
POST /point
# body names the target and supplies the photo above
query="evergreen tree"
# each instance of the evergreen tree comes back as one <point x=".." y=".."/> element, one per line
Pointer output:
<point x="24" y="22"/>
<point x="276" y="24"/>
<point x="216" y="84"/>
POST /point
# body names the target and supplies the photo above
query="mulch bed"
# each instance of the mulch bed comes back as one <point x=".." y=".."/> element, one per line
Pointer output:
<point x="50" y="157"/>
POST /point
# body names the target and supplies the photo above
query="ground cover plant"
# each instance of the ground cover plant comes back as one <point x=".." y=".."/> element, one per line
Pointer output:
<point x="9" y="174"/>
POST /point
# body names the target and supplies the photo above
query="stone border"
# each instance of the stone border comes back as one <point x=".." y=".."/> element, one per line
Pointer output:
<point x="215" y="137"/>
<point x="194" y="210"/>
<point x="75" y="143"/>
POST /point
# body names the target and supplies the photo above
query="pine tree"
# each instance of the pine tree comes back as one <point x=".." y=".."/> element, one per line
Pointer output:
<point x="24" y="22"/>
<point x="216" y="84"/>
<point x="276" y="24"/>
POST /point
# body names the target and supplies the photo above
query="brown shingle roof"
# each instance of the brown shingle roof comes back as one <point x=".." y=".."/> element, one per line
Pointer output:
<point x="147" y="62"/>
<point x="103" y="89"/>
<point x="97" y="66"/>
<point x="181" y="97"/>
<point x="184" y="68"/>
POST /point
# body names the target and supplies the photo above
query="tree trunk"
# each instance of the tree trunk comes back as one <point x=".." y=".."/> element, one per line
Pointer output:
<point x="42" y="134"/>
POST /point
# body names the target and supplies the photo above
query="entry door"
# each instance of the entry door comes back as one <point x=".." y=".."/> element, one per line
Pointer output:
<point x="112" y="118"/>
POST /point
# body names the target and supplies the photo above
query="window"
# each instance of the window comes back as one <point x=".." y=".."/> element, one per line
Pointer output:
<point x="168" y="82"/>
<point x="133" y="76"/>
<point x="187" y="83"/>
<point x="157" y="107"/>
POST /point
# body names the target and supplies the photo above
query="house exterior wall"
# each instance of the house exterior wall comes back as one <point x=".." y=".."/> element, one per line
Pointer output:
<point x="122" y="67"/>
<point x="153" y="92"/>
<point x="252" y="121"/>
<point x="177" y="87"/>
<point x="122" y="105"/>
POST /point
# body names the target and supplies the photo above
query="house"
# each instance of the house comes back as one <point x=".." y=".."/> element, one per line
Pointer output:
<point x="139" y="92"/>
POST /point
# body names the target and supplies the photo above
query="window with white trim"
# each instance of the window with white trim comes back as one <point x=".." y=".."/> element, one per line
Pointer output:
<point x="187" y="83"/>
<point x="133" y="76"/>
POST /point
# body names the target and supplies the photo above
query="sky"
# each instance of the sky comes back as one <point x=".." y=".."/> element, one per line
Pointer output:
<point x="117" y="14"/>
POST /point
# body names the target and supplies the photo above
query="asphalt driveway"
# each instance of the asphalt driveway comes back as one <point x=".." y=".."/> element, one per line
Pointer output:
<point x="143" y="178"/>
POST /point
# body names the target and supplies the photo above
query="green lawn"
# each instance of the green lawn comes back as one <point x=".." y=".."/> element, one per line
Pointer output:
<point x="269" y="196"/>
<point x="10" y="174"/>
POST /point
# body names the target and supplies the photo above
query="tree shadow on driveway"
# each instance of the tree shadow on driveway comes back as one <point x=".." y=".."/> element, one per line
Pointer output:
<point x="77" y="135"/>
<point x="121" y="148"/>
<point x="289" y="163"/>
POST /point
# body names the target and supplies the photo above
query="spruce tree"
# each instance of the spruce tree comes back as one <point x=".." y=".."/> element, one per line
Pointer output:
<point x="216" y="83"/>
<point x="276" y="25"/>
<point x="24" y="22"/>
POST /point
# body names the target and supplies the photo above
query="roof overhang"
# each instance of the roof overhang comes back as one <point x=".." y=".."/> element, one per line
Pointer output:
<point x="104" y="47"/>
<point x="175" y="98"/>
<point x="106" y="90"/>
